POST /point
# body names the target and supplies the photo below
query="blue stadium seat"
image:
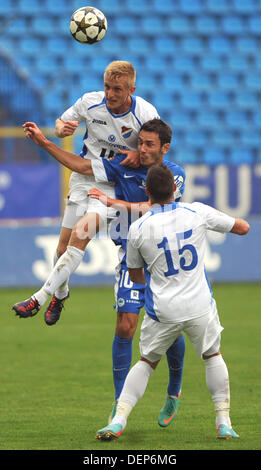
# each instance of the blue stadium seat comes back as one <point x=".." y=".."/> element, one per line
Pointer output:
<point x="179" y="25"/>
<point x="253" y="81"/>
<point x="247" y="100"/>
<point x="126" y="25"/>
<point x="191" y="100"/>
<point x="152" y="25"/>
<point x="219" y="100"/>
<point x="236" y="120"/>
<point x="238" y="63"/>
<point x="183" y="63"/>
<point x="201" y="81"/>
<point x="146" y="83"/>
<point x="98" y="63"/>
<point x="116" y="7"/>
<point x="196" y="139"/>
<point x="137" y="7"/>
<point x="233" y="25"/>
<point x="185" y="155"/>
<point x="57" y="6"/>
<point x="257" y="119"/>
<point x="112" y="45"/>
<point x="220" y="45"/>
<point x="45" y="26"/>
<point x="169" y="7"/>
<point x="218" y="6"/>
<point x="241" y="155"/>
<point x="173" y="83"/>
<point x="155" y="63"/>
<point x="206" y="25"/>
<point x="166" y="45"/>
<point x="7" y="7"/>
<point x="211" y="63"/>
<point x="180" y="119"/>
<point x="139" y="45"/>
<point x="247" y="45"/>
<point x="243" y="6"/>
<point x="18" y="27"/>
<point x="46" y="64"/>
<point x="191" y="7"/>
<point x="214" y="156"/>
<point x="29" y="7"/>
<point x="251" y="139"/>
<point x="193" y="45"/>
<point x="56" y="45"/>
<point x="163" y="101"/>
<point x="209" y="119"/>
<point x="228" y="81"/>
<point x="223" y="138"/>
<point x="30" y="46"/>
<point x="54" y="101"/>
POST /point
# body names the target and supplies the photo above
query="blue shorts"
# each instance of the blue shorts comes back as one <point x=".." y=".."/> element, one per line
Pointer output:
<point x="129" y="296"/>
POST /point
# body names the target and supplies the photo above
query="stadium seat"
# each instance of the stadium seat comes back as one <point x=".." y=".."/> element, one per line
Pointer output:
<point x="201" y="81"/>
<point x="45" y="27"/>
<point x="139" y="45"/>
<point x="166" y="45"/>
<point x="256" y="119"/>
<point x="184" y="64"/>
<point x="211" y="63"/>
<point x="56" y="45"/>
<point x="173" y="83"/>
<point x="28" y="7"/>
<point x="196" y="139"/>
<point x="169" y="8"/>
<point x="253" y="81"/>
<point x="243" y="6"/>
<point x="180" y="119"/>
<point x="233" y="25"/>
<point x="179" y="25"/>
<point x="163" y="101"/>
<point x="246" y="100"/>
<point x="140" y="6"/>
<point x="53" y="7"/>
<point x="241" y="155"/>
<point x="220" y="45"/>
<point x="185" y="155"/>
<point x="219" y="100"/>
<point x="116" y="7"/>
<point x="193" y="45"/>
<point x="251" y="139"/>
<point x="223" y="138"/>
<point x="206" y="25"/>
<point x="113" y="45"/>
<point x="155" y="63"/>
<point x="30" y="47"/>
<point x="209" y="119"/>
<point x="236" y="120"/>
<point x="218" y="7"/>
<point x="126" y="25"/>
<point x="18" y="27"/>
<point x="46" y="64"/>
<point x="214" y="156"/>
<point x="228" y="81"/>
<point x="247" y="45"/>
<point x="191" y="7"/>
<point x="145" y="83"/>
<point x="54" y="101"/>
<point x="152" y="25"/>
<point x="7" y="7"/>
<point x="191" y="100"/>
<point x="238" y="63"/>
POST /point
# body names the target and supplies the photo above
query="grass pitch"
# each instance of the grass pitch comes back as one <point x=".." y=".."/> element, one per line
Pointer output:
<point x="56" y="384"/>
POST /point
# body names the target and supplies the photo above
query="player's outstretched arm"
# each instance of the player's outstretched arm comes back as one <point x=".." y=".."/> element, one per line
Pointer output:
<point x="140" y="207"/>
<point x="241" y="227"/>
<point x="70" y="160"/>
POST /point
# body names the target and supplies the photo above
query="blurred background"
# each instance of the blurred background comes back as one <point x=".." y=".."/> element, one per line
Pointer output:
<point x="197" y="61"/>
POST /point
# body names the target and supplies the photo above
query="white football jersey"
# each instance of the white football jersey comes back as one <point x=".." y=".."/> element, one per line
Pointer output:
<point x="170" y="242"/>
<point x="105" y="133"/>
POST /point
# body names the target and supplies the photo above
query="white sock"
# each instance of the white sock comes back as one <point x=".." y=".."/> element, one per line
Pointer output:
<point x="63" y="290"/>
<point x="218" y="384"/>
<point x="64" y="267"/>
<point x="134" y="387"/>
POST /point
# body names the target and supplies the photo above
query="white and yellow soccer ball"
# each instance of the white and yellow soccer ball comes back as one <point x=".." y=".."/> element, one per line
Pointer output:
<point x="88" y="25"/>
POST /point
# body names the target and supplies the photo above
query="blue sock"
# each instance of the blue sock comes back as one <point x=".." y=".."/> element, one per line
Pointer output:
<point x="121" y="361"/>
<point x="175" y="357"/>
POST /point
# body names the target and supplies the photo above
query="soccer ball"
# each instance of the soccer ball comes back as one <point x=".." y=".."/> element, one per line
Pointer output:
<point x="88" y="25"/>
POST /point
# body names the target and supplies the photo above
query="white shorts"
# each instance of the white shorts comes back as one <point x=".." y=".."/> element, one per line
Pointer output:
<point x="75" y="211"/>
<point x="204" y="333"/>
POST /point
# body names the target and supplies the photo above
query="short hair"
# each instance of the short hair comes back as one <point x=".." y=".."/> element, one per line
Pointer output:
<point x="160" y="183"/>
<point x="117" y="68"/>
<point x="160" y="127"/>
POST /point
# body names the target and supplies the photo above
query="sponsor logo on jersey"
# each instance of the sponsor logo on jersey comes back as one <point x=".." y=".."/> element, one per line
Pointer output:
<point x="126" y="132"/>
<point x="121" y="302"/>
<point x="99" y="121"/>
<point x="134" y="294"/>
<point x="111" y="138"/>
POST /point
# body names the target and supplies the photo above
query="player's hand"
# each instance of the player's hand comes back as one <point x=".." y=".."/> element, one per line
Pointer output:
<point x="67" y="128"/>
<point x="33" y="132"/>
<point x="132" y="158"/>
<point x="96" y="193"/>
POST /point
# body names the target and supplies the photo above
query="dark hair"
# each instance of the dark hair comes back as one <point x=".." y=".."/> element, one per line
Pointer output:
<point x="160" y="127"/>
<point x="160" y="182"/>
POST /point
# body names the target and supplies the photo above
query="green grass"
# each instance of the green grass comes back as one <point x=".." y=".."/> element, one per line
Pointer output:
<point x="56" y="384"/>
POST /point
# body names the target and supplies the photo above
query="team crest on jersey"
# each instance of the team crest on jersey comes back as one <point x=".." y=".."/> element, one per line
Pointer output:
<point x="126" y="132"/>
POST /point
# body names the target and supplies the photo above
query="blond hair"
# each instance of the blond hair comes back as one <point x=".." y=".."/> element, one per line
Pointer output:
<point x="117" y="68"/>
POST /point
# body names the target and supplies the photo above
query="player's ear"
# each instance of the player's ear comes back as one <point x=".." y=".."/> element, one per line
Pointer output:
<point x="147" y="192"/>
<point x="165" y="148"/>
<point x="132" y="90"/>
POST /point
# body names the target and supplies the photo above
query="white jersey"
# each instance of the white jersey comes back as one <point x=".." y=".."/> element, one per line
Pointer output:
<point x="105" y="133"/>
<point x="170" y="242"/>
